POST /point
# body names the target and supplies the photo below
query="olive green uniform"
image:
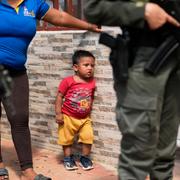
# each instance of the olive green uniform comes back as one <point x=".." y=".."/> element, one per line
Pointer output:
<point x="148" y="106"/>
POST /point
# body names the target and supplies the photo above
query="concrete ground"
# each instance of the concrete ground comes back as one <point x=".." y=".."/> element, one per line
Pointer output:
<point x="49" y="164"/>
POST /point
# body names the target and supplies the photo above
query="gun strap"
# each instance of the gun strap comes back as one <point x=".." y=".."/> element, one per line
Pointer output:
<point x="161" y="54"/>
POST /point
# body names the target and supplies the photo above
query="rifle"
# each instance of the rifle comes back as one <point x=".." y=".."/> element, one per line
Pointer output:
<point x="172" y="41"/>
<point x="119" y="54"/>
<point x="5" y="89"/>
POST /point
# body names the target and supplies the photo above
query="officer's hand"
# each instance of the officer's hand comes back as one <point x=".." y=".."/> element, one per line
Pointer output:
<point x="157" y="17"/>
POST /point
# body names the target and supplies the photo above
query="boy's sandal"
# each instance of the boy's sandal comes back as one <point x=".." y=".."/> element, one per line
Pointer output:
<point x="4" y="173"/>
<point x="41" y="177"/>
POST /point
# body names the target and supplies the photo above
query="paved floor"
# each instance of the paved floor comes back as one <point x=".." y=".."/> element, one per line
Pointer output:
<point x="48" y="163"/>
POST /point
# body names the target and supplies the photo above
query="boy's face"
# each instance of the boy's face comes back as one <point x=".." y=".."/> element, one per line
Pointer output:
<point x="85" y="67"/>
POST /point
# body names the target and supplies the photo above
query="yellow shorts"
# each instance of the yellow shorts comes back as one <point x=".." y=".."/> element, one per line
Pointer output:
<point x="73" y="126"/>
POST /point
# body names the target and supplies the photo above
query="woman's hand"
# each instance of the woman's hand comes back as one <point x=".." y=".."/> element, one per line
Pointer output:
<point x="93" y="28"/>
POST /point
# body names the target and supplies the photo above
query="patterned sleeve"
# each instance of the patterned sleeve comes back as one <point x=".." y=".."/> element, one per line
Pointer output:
<point x="42" y="8"/>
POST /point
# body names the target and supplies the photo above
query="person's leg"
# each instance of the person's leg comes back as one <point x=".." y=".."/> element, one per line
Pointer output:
<point x="3" y="171"/>
<point x="1" y="160"/>
<point x="86" y="134"/>
<point x="164" y="162"/>
<point x="85" y="160"/>
<point x="20" y="124"/>
<point x="69" y="162"/>
<point x="86" y="138"/>
<point x="138" y="110"/>
<point x="86" y="149"/>
<point x="138" y="144"/>
<point x="66" y="134"/>
<point x="67" y="150"/>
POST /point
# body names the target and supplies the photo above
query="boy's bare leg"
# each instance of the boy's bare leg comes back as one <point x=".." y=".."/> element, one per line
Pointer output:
<point x="67" y="150"/>
<point x="85" y="161"/>
<point x="69" y="162"/>
<point x="86" y="149"/>
<point x="2" y="165"/>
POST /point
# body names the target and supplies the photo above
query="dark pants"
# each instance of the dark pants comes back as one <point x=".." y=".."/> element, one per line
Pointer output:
<point x="20" y="120"/>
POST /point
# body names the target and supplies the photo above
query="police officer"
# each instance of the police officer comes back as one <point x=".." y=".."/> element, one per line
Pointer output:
<point x="148" y="105"/>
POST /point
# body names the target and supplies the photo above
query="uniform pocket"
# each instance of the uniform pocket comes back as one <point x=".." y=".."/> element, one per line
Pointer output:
<point x="140" y="125"/>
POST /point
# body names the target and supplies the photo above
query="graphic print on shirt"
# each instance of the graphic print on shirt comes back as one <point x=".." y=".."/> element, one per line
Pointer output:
<point x="28" y="13"/>
<point x="81" y="100"/>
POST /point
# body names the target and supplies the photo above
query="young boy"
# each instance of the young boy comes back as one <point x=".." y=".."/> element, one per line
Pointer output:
<point x="73" y="106"/>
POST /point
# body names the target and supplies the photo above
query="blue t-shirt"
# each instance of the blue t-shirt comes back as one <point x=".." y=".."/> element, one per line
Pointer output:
<point x="17" y="29"/>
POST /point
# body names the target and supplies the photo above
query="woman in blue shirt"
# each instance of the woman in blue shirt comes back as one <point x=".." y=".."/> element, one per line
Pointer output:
<point x="17" y="29"/>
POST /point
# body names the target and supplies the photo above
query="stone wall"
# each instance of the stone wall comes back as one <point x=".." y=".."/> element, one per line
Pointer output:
<point x="49" y="60"/>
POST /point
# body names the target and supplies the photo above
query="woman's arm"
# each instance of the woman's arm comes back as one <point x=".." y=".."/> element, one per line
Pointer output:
<point x="61" y="18"/>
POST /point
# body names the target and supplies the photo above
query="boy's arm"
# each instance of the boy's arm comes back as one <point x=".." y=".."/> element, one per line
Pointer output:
<point x="58" y="107"/>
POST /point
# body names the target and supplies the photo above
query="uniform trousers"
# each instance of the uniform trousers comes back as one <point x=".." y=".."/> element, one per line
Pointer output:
<point x="148" y="114"/>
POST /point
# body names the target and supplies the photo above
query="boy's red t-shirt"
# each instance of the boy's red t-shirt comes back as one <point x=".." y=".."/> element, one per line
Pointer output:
<point x="78" y="97"/>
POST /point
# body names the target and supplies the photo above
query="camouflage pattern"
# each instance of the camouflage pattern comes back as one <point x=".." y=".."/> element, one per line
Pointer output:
<point x="148" y="107"/>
